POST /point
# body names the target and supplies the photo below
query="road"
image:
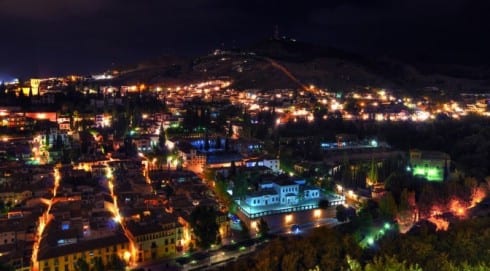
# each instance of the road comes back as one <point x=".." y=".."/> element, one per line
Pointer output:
<point x="213" y="259"/>
<point x="307" y="227"/>
<point x="204" y="260"/>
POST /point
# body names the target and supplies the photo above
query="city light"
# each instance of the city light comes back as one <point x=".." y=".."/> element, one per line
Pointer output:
<point x="317" y="213"/>
<point x="44" y="220"/>
<point x="302" y="139"/>
<point x="117" y="218"/>
<point x="253" y="225"/>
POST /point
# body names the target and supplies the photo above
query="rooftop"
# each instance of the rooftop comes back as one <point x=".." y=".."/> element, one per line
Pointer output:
<point x="47" y="251"/>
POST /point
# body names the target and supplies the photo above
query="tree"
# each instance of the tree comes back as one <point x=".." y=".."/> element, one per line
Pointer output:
<point x="229" y="132"/>
<point x="81" y="265"/>
<point x="2" y="89"/>
<point x="218" y="143"/>
<point x="6" y="267"/>
<point x="404" y="201"/>
<point x="206" y="142"/>
<point x="203" y="222"/>
<point x="263" y="227"/>
<point x="233" y="170"/>
<point x="116" y="263"/>
<point x="2" y="206"/>
<point x="97" y="264"/>
<point x="58" y="144"/>
<point x="227" y="144"/>
<point x="426" y="200"/>
<point x="245" y="233"/>
<point x="341" y="213"/>
<point x="290" y="261"/>
<point x="129" y="147"/>
<point x="387" y="205"/>
<point x="169" y="191"/>
<point x="388" y="263"/>
<point x="162" y="138"/>
<point x="324" y="204"/>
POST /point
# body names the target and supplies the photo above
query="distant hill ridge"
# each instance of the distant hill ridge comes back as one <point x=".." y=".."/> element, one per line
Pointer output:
<point x="322" y="66"/>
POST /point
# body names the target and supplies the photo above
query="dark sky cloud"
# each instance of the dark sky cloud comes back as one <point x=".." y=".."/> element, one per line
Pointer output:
<point x="52" y="10"/>
<point x="64" y="36"/>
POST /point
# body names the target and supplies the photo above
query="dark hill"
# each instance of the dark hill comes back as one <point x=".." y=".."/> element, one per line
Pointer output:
<point x="290" y="64"/>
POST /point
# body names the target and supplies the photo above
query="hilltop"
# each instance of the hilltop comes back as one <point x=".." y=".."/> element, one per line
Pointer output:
<point x="287" y="63"/>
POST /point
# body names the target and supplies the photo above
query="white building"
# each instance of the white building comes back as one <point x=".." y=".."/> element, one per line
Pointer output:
<point x="271" y="163"/>
<point x="311" y="192"/>
<point x="263" y="198"/>
<point x="286" y="193"/>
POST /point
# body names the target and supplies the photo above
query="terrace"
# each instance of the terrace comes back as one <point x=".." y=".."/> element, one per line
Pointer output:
<point x="302" y="205"/>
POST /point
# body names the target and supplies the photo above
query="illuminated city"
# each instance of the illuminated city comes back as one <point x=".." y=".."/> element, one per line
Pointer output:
<point x="231" y="147"/>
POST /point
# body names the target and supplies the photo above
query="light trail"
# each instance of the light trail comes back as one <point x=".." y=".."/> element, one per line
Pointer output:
<point x="131" y="254"/>
<point x="283" y="69"/>
<point x="44" y="220"/>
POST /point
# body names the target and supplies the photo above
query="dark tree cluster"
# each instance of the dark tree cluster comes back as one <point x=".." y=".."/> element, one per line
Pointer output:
<point x="205" y="227"/>
<point x="465" y="246"/>
<point x="325" y="248"/>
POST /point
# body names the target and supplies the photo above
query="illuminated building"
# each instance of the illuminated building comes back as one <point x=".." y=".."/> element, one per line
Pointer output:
<point x="15" y="196"/>
<point x="51" y="116"/>
<point x="156" y="238"/>
<point x="223" y="224"/>
<point x="103" y="120"/>
<point x="284" y="193"/>
<point x="34" y="90"/>
<point x="284" y="202"/>
<point x="431" y="165"/>
<point x="61" y="255"/>
<point x="64" y="122"/>
<point x="16" y="120"/>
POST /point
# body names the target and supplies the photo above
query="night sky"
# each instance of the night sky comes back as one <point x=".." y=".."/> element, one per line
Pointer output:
<point x="47" y="37"/>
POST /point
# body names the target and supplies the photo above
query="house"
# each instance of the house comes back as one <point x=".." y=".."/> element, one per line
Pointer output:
<point x="430" y="165"/>
<point x="263" y="197"/>
<point x="156" y="236"/>
<point x="269" y="162"/>
<point x="63" y="256"/>
<point x="282" y="192"/>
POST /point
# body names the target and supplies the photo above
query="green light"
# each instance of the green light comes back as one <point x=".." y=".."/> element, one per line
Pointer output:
<point x="432" y="172"/>
<point x="418" y="171"/>
<point x="242" y="248"/>
<point x="387" y="226"/>
<point x="429" y="173"/>
<point x="370" y="241"/>
<point x="382" y="231"/>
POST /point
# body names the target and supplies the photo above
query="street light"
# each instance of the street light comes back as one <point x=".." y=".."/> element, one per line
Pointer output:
<point x="127" y="256"/>
<point x="340" y="188"/>
<point x="317" y="213"/>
